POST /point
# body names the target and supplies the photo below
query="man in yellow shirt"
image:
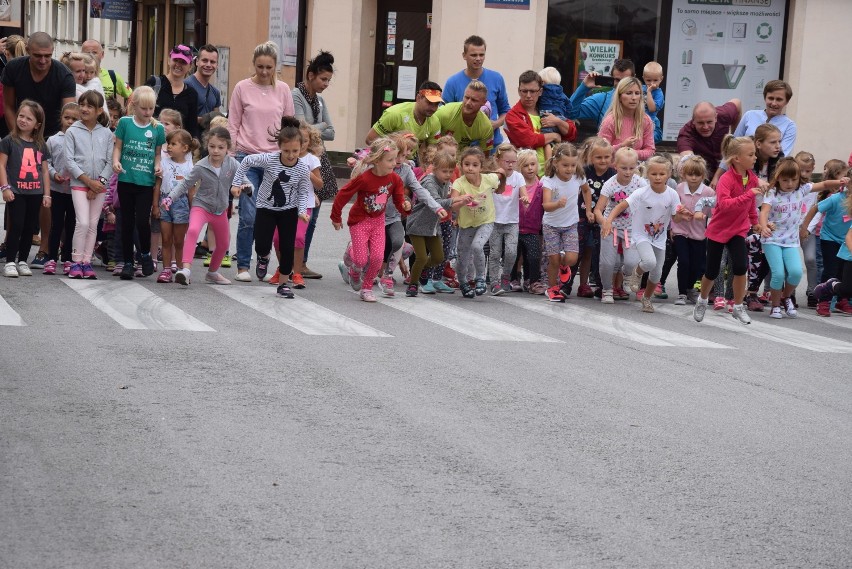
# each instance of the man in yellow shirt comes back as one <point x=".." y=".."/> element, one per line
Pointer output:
<point x="416" y="117"/>
<point x="112" y="88"/>
<point x="465" y="122"/>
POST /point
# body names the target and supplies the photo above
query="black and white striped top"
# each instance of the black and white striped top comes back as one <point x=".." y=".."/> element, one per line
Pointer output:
<point x="282" y="187"/>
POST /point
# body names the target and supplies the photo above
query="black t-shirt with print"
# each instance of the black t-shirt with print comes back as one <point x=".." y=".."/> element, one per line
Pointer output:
<point x="23" y="165"/>
<point x="595" y="184"/>
<point x="57" y="85"/>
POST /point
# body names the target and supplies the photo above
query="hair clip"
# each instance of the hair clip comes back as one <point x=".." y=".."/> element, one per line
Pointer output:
<point x="386" y="149"/>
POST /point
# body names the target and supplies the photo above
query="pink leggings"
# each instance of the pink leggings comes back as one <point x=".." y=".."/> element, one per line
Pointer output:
<point x="301" y="231"/>
<point x="219" y="224"/>
<point x="368" y="235"/>
<point x="86" y="231"/>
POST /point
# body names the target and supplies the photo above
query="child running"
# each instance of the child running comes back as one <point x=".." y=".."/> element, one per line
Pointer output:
<point x="136" y="159"/>
<point x="734" y="215"/>
<point x="561" y="188"/>
<point x="529" y="224"/>
<point x="503" y="243"/>
<point x="476" y="218"/>
<point x="214" y="176"/>
<point x="62" y="217"/>
<point x="614" y="191"/>
<point x="597" y="156"/>
<point x="175" y="220"/>
<point x="653" y="208"/>
<point x="88" y="148"/>
<point x="780" y="217"/>
<point x="24" y="184"/>
<point x="688" y="235"/>
<point x="372" y="188"/>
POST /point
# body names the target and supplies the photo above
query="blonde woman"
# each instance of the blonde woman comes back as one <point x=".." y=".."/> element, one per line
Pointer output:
<point x="626" y="123"/>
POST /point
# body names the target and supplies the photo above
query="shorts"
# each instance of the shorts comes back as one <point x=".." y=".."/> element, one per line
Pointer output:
<point x="560" y="239"/>
<point x="178" y="213"/>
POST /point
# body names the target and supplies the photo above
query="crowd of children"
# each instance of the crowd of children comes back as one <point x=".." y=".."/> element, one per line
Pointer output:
<point x="458" y="218"/>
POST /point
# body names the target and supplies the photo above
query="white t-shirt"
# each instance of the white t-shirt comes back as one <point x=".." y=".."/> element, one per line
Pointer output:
<point x="313" y="163"/>
<point x="788" y="209"/>
<point x="570" y="190"/>
<point x="173" y="173"/>
<point x="616" y="193"/>
<point x="507" y="204"/>
<point x="652" y="213"/>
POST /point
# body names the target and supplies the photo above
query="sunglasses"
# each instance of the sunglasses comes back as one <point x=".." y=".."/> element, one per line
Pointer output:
<point x="182" y="50"/>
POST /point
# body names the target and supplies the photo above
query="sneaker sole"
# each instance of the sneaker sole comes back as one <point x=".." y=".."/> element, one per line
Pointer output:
<point x="181" y="279"/>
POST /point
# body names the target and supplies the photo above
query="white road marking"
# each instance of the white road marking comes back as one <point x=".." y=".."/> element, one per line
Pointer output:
<point x="466" y="321"/>
<point x="774" y="332"/>
<point x="835" y="319"/>
<point x="135" y="307"/>
<point x="8" y="316"/>
<point x="299" y="313"/>
<point x="623" y="328"/>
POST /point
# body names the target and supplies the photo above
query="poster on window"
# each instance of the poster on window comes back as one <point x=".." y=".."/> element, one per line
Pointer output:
<point x="10" y="13"/>
<point x="720" y="51"/>
<point x="284" y="29"/>
<point x="595" y="55"/>
<point x="112" y="9"/>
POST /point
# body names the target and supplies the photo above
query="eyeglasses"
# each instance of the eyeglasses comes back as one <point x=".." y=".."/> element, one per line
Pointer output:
<point x="529" y="91"/>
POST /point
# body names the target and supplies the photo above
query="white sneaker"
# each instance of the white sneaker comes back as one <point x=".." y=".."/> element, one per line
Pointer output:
<point x="24" y="270"/>
<point x="740" y="313"/>
<point x="182" y="277"/>
<point x="10" y="270"/>
<point x="681" y="300"/>
<point x="776" y="313"/>
<point x="244" y="277"/>
<point x="606" y="297"/>
<point x="791" y="308"/>
<point x="633" y="281"/>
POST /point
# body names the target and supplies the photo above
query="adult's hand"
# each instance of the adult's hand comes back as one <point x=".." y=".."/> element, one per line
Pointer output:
<point x="589" y="81"/>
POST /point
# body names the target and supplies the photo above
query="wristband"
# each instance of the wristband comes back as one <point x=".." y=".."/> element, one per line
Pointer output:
<point x="4" y="188"/>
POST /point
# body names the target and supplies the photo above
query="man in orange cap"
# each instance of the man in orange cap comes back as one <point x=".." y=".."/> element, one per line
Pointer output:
<point x="416" y="117"/>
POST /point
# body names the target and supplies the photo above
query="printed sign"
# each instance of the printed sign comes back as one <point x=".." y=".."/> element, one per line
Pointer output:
<point x="511" y="4"/>
<point x="595" y="55"/>
<point x="284" y="29"/>
<point x="112" y="9"/>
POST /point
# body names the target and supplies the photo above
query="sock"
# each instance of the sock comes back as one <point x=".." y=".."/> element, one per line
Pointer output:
<point x="738" y="307"/>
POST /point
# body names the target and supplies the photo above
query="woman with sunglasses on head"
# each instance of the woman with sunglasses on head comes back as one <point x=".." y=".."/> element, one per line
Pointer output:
<point x="171" y="91"/>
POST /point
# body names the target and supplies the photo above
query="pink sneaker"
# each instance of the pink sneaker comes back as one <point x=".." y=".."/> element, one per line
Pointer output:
<point x="165" y="276"/>
<point x="89" y="272"/>
<point x="367" y="295"/>
<point x="216" y="278"/>
<point x="116" y="272"/>
<point x="386" y="286"/>
<point x="719" y="303"/>
<point x="730" y="306"/>
<point x="66" y="267"/>
<point x="49" y="268"/>
<point x="76" y="271"/>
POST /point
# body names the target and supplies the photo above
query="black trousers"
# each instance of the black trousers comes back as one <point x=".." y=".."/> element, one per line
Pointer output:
<point x="62" y="223"/>
<point x="135" y="213"/>
<point x="23" y="221"/>
<point x="265" y="223"/>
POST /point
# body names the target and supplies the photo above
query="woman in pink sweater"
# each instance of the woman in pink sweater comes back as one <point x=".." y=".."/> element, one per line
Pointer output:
<point x="256" y="104"/>
<point x="626" y="123"/>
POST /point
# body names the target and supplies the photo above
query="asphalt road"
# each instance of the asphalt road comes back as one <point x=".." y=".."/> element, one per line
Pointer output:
<point x="151" y="425"/>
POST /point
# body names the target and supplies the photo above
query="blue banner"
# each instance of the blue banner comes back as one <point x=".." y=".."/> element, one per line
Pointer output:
<point x="512" y="4"/>
<point x="113" y="9"/>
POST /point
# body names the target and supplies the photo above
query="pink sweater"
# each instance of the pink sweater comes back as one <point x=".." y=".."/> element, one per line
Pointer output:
<point x="253" y="111"/>
<point x="644" y="147"/>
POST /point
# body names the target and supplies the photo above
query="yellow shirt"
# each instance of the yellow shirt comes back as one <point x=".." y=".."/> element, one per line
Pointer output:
<point x="483" y="211"/>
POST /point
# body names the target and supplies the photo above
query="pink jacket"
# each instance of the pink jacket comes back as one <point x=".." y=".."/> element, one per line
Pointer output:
<point x="736" y="210"/>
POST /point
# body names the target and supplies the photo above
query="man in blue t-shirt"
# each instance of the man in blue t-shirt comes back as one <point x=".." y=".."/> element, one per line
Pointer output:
<point x="206" y="64"/>
<point x="474" y="56"/>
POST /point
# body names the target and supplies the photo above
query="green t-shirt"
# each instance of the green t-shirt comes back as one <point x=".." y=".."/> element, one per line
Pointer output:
<point x="478" y="134"/>
<point x="140" y="144"/>
<point x="401" y="117"/>
<point x="109" y="89"/>
<point x="536" y="123"/>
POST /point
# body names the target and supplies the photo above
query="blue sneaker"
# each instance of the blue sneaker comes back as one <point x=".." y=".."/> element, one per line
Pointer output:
<point x="479" y="286"/>
<point x="441" y="286"/>
<point x="428" y="288"/>
<point x="344" y="271"/>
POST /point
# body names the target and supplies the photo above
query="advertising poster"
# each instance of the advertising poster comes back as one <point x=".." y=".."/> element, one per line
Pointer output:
<point x="112" y="9"/>
<point x="720" y="50"/>
<point x="512" y="4"/>
<point x="595" y="55"/>
<point x="284" y="29"/>
<point x="10" y="13"/>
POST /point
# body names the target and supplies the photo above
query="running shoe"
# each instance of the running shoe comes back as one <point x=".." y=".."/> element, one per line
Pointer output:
<point x="740" y="313"/>
<point x="207" y="258"/>
<point x="467" y="289"/>
<point x="275" y="278"/>
<point x="297" y="280"/>
<point x="344" y="271"/>
<point x="386" y="286"/>
<point x="24" y="269"/>
<point x="753" y="303"/>
<point x="554" y="294"/>
<point x="620" y="294"/>
<point x="411" y="290"/>
<point x="49" y="268"/>
<point x="367" y="295"/>
<point x="441" y="286"/>
<point x="479" y="286"/>
<point x="10" y="270"/>
<point x="165" y="276"/>
<point x="585" y="291"/>
<point x="606" y="297"/>
<point x="66" y="268"/>
<point x="843" y="307"/>
<point x="182" y="277"/>
<point x="647" y="305"/>
<point x="537" y="288"/>
<point x="776" y="313"/>
<point x="790" y="308"/>
<point x="89" y="271"/>
<point x="147" y="265"/>
<point x="516" y="286"/>
<point x="681" y="301"/>
<point x="116" y="272"/>
<point x="355" y="279"/>
<point x="564" y="274"/>
<point x="633" y="281"/>
<point x="262" y="267"/>
<point x="40" y="260"/>
<point x="660" y="292"/>
<point x="428" y="288"/>
<point x="76" y="271"/>
<point x="216" y="278"/>
<point x="699" y="309"/>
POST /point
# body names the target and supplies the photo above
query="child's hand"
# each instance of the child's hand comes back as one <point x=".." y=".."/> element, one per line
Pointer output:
<point x="590" y="216"/>
<point x="765" y="231"/>
<point x="8" y="196"/>
<point x="698" y="216"/>
<point x="606" y="228"/>
<point x="46" y="201"/>
<point x="442" y="214"/>
<point x="90" y="195"/>
<point x="525" y="199"/>
<point x="764" y="187"/>
<point x="116" y="167"/>
<point x="563" y="201"/>
<point x="166" y="203"/>
<point x="406" y="205"/>
<point x="158" y="171"/>
<point x="236" y="191"/>
<point x="803" y="233"/>
<point x="757" y="191"/>
<point x="96" y="186"/>
<point x="155" y="211"/>
<point x="337" y="226"/>
<point x="59" y="178"/>
<point x="305" y="217"/>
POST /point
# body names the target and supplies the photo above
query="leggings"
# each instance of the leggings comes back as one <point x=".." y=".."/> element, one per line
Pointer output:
<point x="218" y="224"/>
<point x="62" y="222"/>
<point x="446" y="228"/>
<point x="612" y="259"/>
<point x="809" y="247"/>
<point x="723" y="286"/>
<point x="758" y="268"/>
<point x="424" y="259"/>
<point x="503" y="243"/>
<point x="471" y="247"/>
<point x="394" y="238"/>
<point x="301" y="230"/>
<point x="368" y="235"/>
<point x="785" y="263"/>
<point x="829" y="259"/>
<point x="691" y="259"/>
<point x="843" y="289"/>
<point x="85" y="233"/>
<point x="736" y="247"/>
<point x="648" y="258"/>
<point x="529" y="247"/>
<point x="23" y="221"/>
<point x="135" y="214"/>
<point x="266" y="221"/>
<point x="671" y="258"/>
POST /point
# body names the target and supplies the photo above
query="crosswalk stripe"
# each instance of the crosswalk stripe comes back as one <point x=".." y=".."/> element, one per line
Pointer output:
<point x="135" y="307"/>
<point x="762" y="330"/>
<point x="8" y="316"/>
<point x="299" y="313"/>
<point x="611" y="324"/>
<point x="466" y="321"/>
<point x="835" y="319"/>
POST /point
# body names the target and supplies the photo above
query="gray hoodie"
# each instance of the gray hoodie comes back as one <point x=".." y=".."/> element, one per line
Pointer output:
<point x="88" y="152"/>
<point x="423" y="221"/>
<point x="214" y="189"/>
<point x="409" y="180"/>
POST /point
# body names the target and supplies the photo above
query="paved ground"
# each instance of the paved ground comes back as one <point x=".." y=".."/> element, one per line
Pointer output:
<point x="150" y="425"/>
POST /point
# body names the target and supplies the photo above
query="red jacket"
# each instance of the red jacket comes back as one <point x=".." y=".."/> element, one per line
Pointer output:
<point x="522" y="133"/>
<point x="736" y="210"/>
<point x="372" y="192"/>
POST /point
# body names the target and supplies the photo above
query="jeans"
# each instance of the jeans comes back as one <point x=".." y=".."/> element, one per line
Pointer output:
<point x="248" y="207"/>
